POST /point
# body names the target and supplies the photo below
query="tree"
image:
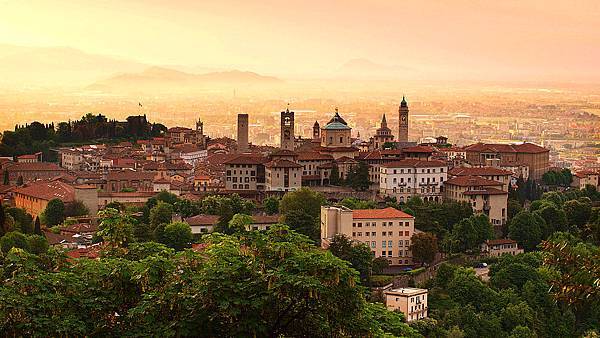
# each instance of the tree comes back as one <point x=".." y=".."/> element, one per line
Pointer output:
<point x="115" y="228"/>
<point x="555" y="219"/>
<point x="526" y="229"/>
<point x="357" y="253"/>
<point x="304" y="199"/>
<point x="304" y="223"/>
<point x="37" y="229"/>
<point x="271" y="205"/>
<point x="240" y="223"/>
<point x="160" y="216"/>
<point x="2" y="220"/>
<point x="22" y="220"/>
<point x="13" y="239"/>
<point x="514" y="207"/>
<point x="334" y="176"/>
<point x="469" y="233"/>
<point x="358" y="177"/>
<point x="142" y="231"/>
<point x="55" y="212"/>
<point x="76" y="208"/>
<point x="578" y="211"/>
<point x="6" y="180"/>
<point x="37" y="244"/>
<point x="178" y="235"/>
<point x="355" y="203"/>
<point x="424" y="247"/>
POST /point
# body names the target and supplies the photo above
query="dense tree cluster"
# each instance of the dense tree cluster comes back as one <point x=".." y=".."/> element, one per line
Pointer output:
<point x="261" y="284"/>
<point x="38" y="137"/>
<point x="528" y="295"/>
<point x="563" y="178"/>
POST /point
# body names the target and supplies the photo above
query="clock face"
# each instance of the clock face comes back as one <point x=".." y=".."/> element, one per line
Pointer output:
<point x="403" y="117"/>
<point x="287" y="121"/>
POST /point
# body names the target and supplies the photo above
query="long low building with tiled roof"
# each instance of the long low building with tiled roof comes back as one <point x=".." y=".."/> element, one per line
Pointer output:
<point x="34" y="196"/>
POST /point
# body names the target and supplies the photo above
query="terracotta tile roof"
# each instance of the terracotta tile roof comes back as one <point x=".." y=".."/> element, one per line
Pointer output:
<point x="346" y="159"/>
<point x="266" y="219"/>
<point x="35" y="166"/>
<point x="486" y="191"/>
<point x="80" y="228"/>
<point x="284" y="152"/>
<point x="500" y="241"/>
<point x="419" y="149"/>
<point x="414" y="163"/>
<point x="130" y="175"/>
<point x="48" y="190"/>
<point x="478" y="171"/>
<point x="337" y="149"/>
<point x="202" y="219"/>
<point x="313" y="156"/>
<point x="472" y="181"/>
<point x="526" y="147"/>
<point x="246" y="159"/>
<point x="282" y="164"/>
<point x="54" y="239"/>
<point x="28" y="156"/>
<point x="386" y="213"/>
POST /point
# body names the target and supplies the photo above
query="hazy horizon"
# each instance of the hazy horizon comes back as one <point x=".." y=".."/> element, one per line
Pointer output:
<point x="465" y="40"/>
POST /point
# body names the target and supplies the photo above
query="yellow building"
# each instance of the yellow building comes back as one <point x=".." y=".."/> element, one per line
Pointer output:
<point x="411" y="301"/>
<point x="387" y="232"/>
<point x="485" y="196"/>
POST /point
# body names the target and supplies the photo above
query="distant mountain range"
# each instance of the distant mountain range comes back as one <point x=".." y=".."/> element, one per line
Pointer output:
<point x="65" y="66"/>
<point x="161" y="78"/>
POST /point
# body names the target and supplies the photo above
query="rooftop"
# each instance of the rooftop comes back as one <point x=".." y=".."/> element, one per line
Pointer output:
<point x="406" y="291"/>
<point x="386" y="213"/>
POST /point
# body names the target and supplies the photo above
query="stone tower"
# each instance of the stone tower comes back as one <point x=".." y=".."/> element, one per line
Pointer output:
<point x="287" y="130"/>
<point x="316" y="131"/>
<point x="200" y="126"/>
<point x="242" y="133"/>
<point x="403" y="121"/>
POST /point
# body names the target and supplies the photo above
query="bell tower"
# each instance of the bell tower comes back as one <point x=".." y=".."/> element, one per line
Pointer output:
<point x="403" y="121"/>
<point x="287" y="129"/>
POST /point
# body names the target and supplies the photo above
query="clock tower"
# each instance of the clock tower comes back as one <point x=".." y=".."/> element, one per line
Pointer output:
<point x="287" y="130"/>
<point x="403" y="121"/>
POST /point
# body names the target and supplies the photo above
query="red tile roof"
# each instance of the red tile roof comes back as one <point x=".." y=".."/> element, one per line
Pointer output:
<point x="282" y="164"/>
<point x="486" y="191"/>
<point x="386" y="213"/>
<point x="528" y="148"/>
<point x="478" y="171"/>
<point x="48" y="190"/>
<point x="246" y="159"/>
<point x="418" y="149"/>
<point x="265" y="219"/>
<point x="35" y="166"/>
<point x="414" y="163"/>
<point x="500" y="241"/>
<point x="130" y="175"/>
<point x="202" y="219"/>
<point x="472" y="181"/>
<point x="313" y="156"/>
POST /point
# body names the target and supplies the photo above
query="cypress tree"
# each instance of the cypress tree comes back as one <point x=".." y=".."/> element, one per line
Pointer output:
<point x="2" y="220"/>
<point x="37" y="229"/>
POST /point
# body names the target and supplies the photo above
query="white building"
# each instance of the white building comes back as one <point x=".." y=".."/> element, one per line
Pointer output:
<point x="411" y="301"/>
<point x="411" y="177"/>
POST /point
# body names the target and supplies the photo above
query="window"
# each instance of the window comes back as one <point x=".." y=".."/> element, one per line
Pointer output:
<point x="390" y="253"/>
<point x="390" y="244"/>
<point x="373" y="244"/>
<point x="383" y="233"/>
<point x="373" y="234"/>
<point x="383" y="243"/>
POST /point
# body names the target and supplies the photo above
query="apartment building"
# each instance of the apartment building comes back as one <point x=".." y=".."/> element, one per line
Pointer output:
<point x="245" y="172"/>
<point x="490" y="173"/>
<point x="387" y="232"/>
<point x="411" y="301"/>
<point x="511" y="155"/>
<point x="485" y="196"/>
<point x="283" y="175"/>
<point x="412" y="177"/>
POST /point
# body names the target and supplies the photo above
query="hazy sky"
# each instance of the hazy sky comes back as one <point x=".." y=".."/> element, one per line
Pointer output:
<point x="529" y="40"/>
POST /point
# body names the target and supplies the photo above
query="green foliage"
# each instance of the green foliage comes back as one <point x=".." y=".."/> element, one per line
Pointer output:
<point x="304" y="199"/>
<point x="358" y="177"/>
<point x="469" y="233"/>
<point x="357" y="253"/>
<point x="37" y="244"/>
<point x="160" y="216"/>
<point x="355" y="203"/>
<point x="304" y="223"/>
<point x="55" y="212"/>
<point x="334" y="176"/>
<point x="115" y="228"/>
<point x="226" y="207"/>
<point x="261" y="284"/>
<point x="13" y="239"/>
<point x="23" y="221"/>
<point x="271" y="205"/>
<point x="3" y="225"/>
<point x="527" y="229"/>
<point x="424" y="247"/>
<point x="561" y="178"/>
<point x="178" y="235"/>
<point x="240" y="223"/>
<point x="76" y="208"/>
<point x="578" y="211"/>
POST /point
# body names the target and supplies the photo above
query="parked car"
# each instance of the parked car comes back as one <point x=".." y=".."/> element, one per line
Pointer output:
<point x="481" y="265"/>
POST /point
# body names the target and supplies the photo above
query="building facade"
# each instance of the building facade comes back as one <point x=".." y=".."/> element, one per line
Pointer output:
<point x="407" y="178"/>
<point x="410" y="301"/>
<point x="387" y="232"/>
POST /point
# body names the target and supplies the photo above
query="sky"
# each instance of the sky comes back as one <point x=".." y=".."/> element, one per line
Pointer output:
<point x="468" y="39"/>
